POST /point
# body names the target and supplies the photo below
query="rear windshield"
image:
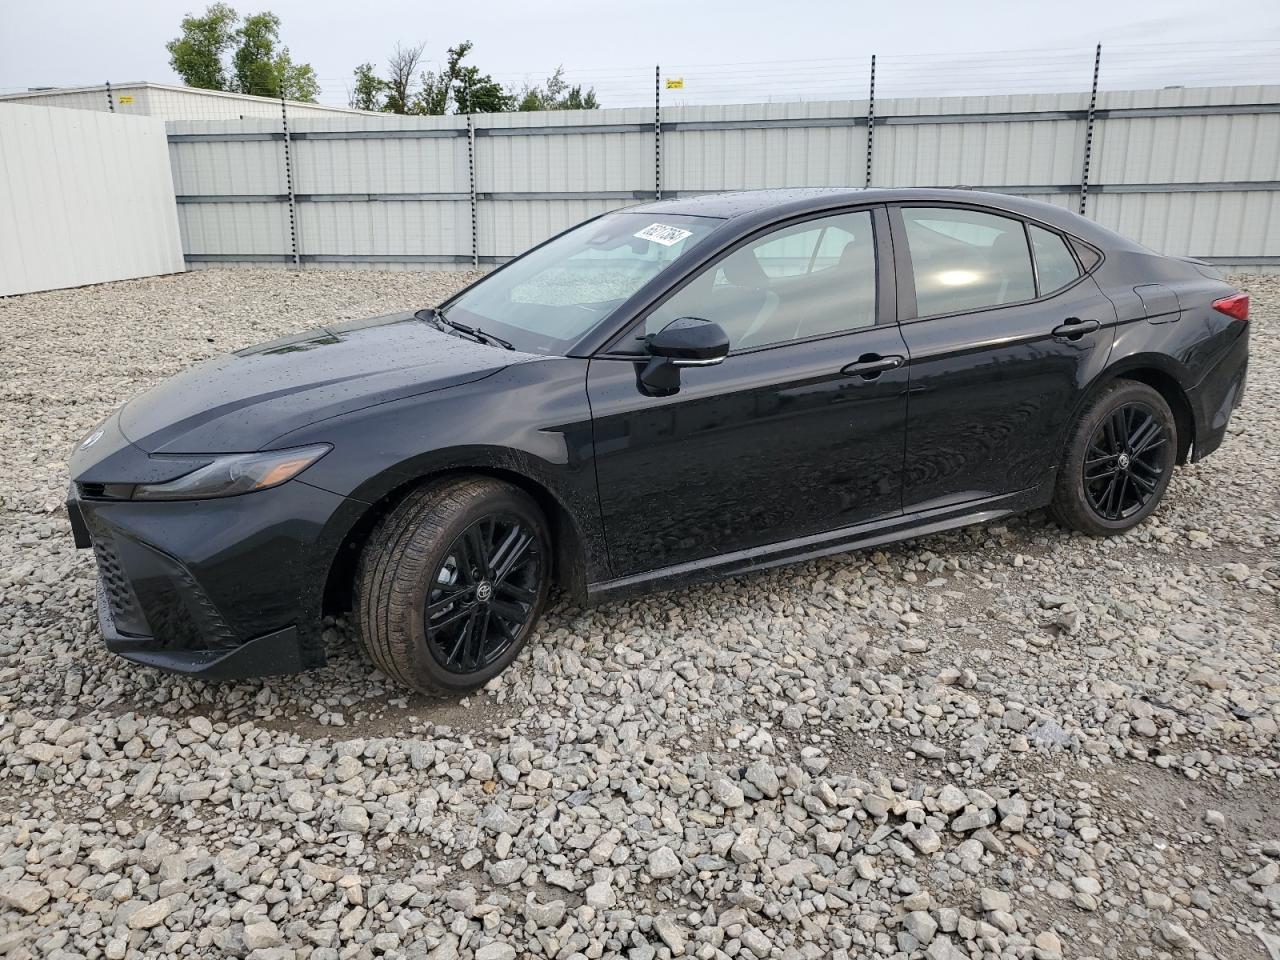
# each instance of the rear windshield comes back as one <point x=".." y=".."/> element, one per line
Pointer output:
<point x="548" y="299"/>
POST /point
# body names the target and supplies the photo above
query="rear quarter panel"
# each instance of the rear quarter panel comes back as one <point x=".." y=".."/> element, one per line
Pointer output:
<point x="1205" y="352"/>
<point x="1186" y="347"/>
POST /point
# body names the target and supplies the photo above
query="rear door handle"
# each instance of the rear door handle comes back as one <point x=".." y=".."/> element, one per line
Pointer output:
<point x="1074" y="329"/>
<point x="871" y="365"/>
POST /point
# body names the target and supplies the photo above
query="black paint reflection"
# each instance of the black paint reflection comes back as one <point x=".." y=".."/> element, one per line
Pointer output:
<point x="768" y="446"/>
<point x="992" y="392"/>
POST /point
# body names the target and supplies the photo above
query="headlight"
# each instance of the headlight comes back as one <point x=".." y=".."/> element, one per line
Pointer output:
<point x="235" y="474"/>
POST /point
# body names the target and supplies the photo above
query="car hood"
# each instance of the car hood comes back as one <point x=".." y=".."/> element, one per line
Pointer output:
<point x="242" y="401"/>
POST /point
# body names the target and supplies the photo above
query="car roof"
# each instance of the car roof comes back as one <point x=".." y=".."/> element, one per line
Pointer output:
<point x="736" y="203"/>
<point x="788" y="201"/>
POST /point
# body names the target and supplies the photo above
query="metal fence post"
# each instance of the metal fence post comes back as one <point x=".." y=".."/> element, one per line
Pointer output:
<point x="871" y="118"/>
<point x="657" y="132"/>
<point x="288" y="179"/>
<point x="471" y="176"/>
<point x="111" y="100"/>
<point x="1088" y="132"/>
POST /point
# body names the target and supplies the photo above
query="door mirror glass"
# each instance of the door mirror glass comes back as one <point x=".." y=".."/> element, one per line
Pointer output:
<point x="689" y="342"/>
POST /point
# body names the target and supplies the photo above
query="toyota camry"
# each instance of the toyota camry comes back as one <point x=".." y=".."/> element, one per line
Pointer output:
<point x="678" y="390"/>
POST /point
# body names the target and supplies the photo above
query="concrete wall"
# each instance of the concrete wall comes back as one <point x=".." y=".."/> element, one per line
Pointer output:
<point x="84" y="198"/>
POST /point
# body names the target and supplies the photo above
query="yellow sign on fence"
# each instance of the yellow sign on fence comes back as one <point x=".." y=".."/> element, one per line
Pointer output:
<point x="675" y="83"/>
<point x="124" y="99"/>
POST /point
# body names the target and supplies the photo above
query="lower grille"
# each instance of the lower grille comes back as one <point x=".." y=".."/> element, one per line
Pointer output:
<point x="124" y="605"/>
<point x="182" y="616"/>
<point x="151" y="595"/>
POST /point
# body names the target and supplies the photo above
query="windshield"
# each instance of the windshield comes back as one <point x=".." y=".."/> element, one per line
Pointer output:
<point x="549" y="298"/>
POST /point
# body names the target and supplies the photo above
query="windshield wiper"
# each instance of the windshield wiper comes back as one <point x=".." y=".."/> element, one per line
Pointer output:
<point x="436" y="314"/>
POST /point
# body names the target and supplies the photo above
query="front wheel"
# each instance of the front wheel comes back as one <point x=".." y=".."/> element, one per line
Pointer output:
<point x="452" y="583"/>
<point x="1118" y="462"/>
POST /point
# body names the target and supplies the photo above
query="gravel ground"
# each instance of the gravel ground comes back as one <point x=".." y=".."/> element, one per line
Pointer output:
<point x="1006" y="741"/>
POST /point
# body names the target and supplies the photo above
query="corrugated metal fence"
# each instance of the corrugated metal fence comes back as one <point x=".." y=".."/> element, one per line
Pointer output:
<point x="1186" y="171"/>
<point x="84" y="198"/>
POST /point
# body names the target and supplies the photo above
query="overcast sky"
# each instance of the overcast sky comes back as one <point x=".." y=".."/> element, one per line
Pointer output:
<point x="727" y="50"/>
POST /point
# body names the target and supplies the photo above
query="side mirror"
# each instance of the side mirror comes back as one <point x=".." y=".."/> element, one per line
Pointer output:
<point x="690" y="342"/>
<point x="684" y="342"/>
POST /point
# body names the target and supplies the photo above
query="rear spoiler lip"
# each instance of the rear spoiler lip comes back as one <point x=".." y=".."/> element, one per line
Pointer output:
<point x="1203" y="267"/>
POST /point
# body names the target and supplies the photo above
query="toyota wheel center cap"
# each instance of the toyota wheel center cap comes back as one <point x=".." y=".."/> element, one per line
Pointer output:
<point x="484" y="591"/>
<point x="1123" y="461"/>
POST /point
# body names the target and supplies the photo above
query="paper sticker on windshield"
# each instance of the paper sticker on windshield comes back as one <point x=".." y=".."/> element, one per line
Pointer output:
<point x="661" y="233"/>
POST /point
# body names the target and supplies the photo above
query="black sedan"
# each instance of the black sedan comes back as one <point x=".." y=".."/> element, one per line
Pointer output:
<point x="683" y="389"/>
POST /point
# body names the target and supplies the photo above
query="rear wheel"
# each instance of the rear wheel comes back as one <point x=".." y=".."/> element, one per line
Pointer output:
<point x="1119" y="460"/>
<point x="452" y="583"/>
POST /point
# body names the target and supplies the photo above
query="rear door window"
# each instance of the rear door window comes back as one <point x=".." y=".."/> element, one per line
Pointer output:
<point x="1055" y="266"/>
<point x="967" y="259"/>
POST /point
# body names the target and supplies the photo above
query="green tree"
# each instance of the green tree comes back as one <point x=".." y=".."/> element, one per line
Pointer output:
<point x="257" y="66"/>
<point x="530" y="98"/>
<point x="433" y="96"/>
<point x="368" y="90"/>
<point x="197" y="55"/>
<point x="555" y="94"/>
<point x="460" y="87"/>
<point x="476" y="92"/>
<point x="297" y="80"/>
<point x="457" y="87"/>
<point x="438" y="87"/>
<point x="575" y="99"/>
<point x="255" y="51"/>
<point x="263" y="71"/>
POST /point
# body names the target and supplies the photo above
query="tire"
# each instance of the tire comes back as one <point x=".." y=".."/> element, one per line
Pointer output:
<point x="1127" y="439"/>
<point x="441" y="545"/>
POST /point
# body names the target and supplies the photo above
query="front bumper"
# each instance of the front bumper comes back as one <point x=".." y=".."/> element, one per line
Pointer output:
<point x="273" y="653"/>
<point x="223" y="589"/>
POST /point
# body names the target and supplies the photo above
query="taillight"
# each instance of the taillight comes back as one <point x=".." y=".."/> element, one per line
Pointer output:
<point x="1236" y="306"/>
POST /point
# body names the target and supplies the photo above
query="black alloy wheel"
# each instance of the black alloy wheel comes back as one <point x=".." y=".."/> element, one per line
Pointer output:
<point x="1125" y="462"/>
<point x="484" y="593"/>
<point x="1118" y="461"/>
<point x="452" y="582"/>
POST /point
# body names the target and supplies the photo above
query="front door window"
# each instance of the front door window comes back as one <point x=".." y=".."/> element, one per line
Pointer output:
<point x="807" y="280"/>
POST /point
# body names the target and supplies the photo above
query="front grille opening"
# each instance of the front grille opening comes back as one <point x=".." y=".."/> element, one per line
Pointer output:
<point x="104" y="491"/>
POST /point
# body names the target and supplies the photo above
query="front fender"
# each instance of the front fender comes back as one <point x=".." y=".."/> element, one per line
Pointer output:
<point x="531" y="422"/>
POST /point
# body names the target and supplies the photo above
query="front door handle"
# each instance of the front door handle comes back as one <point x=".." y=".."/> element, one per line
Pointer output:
<point x="871" y="365"/>
<point x="1075" y="328"/>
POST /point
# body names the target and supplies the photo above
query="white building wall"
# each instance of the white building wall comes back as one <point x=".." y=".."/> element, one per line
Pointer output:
<point x="172" y="102"/>
<point x="84" y="198"/>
